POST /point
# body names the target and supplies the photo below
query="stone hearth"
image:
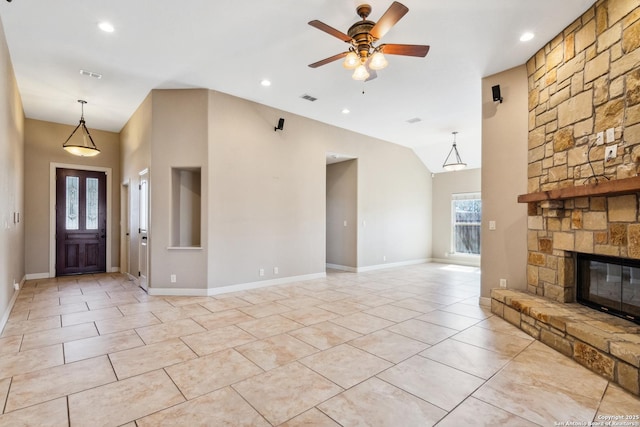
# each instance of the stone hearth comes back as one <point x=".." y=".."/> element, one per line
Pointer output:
<point x="605" y="344"/>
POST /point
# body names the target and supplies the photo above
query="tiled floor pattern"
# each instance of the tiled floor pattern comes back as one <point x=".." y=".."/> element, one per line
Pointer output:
<point x="399" y="347"/>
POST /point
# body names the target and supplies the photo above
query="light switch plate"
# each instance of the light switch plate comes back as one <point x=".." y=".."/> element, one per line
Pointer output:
<point x="611" y="135"/>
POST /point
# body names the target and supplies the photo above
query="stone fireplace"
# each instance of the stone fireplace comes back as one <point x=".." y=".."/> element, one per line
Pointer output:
<point x="557" y="229"/>
<point x="584" y="104"/>
<point x="609" y="284"/>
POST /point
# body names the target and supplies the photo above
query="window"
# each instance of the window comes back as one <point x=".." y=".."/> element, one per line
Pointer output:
<point x="466" y="213"/>
<point x="72" y="202"/>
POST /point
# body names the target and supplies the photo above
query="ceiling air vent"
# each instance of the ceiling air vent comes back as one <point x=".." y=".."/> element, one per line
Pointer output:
<point x="91" y="74"/>
<point x="309" y="97"/>
<point x="414" y="120"/>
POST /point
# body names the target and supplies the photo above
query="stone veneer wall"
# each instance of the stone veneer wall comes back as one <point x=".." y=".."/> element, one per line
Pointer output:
<point x="584" y="81"/>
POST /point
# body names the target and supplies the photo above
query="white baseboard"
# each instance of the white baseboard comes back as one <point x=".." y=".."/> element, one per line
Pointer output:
<point x="342" y="267"/>
<point x="179" y="292"/>
<point x="5" y="316"/>
<point x="391" y="265"/>
<point x="35" y="276"/>
<point x="114" y="269"/>
<point x="456" y="261"/>
<point x="233" y="288"/>
<point x="484" y="301"/>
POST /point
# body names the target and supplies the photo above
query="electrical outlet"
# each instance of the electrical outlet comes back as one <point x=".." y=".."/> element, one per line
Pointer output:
<point x="611" y="152"/>
<point x="16" y="286"/>
<point x="275" y="270"/>
<point x="384" y="258"/>
<point x="261" y="272"/>
<point x="503" y="283"/>
<point x="173" y="278"/>
<point x="492" y="225"/>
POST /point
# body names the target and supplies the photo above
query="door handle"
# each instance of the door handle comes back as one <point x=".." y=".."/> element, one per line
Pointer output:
<point x="144" y="237"/>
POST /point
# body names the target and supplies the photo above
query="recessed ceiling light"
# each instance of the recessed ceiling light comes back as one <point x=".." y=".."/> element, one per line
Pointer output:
<point x="265" y="82"/>
<point x="106" y="27"/>
<point x="345" y="111"/>
<point x="525" y="37"/>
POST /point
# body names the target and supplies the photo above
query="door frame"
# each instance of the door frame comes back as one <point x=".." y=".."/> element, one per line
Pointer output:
<point x="52" y="211"/>
<point x="143" y="281"/>
<point x="125" y="227"/>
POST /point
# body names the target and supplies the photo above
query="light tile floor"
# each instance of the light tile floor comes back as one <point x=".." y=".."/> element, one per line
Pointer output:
<point x="398" y="347"/>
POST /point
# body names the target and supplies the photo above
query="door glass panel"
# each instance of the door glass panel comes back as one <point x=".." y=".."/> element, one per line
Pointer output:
<point x="92" y="204"/>
<point x="71" y="221"/>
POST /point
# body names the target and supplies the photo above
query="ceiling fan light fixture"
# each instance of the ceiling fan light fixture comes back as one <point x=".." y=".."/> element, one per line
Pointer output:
<point x="378" y="61"/>
<point x="351" y="61"/>
<point x="360" y="73"/>
<point x="87" y="148"/>
<point x="456" y="163"/>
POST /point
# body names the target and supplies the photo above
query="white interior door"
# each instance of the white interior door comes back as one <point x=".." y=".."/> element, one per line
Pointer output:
<point x="143" y="231"/>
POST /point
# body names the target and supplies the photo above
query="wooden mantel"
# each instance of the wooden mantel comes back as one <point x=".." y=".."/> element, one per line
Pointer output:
<point x="615" y="187"/>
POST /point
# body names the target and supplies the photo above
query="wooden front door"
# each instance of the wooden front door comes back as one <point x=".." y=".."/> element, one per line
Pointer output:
<point x="81" y="222"/>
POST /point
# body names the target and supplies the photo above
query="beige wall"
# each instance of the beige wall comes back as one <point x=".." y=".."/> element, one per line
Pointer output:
<point x="135" y="156"/>
<point x="179" y="139"/>
<point x="504" y="177"/>
<point x="394" y="198"/>
<point x="342" y="207"/>
<point x="444" y="185"/>
<point x="264" y="192"/>
<point x="12" y="255"/>
<point x="43" y="146"/>
<point x="268" y="195"/>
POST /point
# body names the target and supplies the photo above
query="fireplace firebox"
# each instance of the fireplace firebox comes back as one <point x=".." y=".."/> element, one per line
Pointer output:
<point x="609" y="284"/>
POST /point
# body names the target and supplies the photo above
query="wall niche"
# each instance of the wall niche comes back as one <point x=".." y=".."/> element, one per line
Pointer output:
<point x="186" y="224"/>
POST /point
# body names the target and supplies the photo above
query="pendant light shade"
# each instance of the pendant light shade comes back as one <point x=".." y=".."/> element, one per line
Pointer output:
<point x="453" y="163"/>
<point x="83" y="144"/>
<point x="351" y="61"/>
<point x="360" y="73"/>
<point x="378" y="61"/>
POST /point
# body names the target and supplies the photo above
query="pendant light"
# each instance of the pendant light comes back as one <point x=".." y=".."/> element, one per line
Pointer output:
<point x="455" y="164"/>
<point x="86" y="147"/>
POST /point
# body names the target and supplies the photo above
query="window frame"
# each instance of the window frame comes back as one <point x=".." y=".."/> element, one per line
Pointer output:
<point x="456" y="197"/>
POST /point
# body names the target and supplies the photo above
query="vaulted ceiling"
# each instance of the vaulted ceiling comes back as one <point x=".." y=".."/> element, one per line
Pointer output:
<point x="232" y="45"/>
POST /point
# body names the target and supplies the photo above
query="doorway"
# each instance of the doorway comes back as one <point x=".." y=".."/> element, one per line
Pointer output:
<point x="81" y="221"/>
<point x="342" y="213"/>
<point x="143" y="230"/>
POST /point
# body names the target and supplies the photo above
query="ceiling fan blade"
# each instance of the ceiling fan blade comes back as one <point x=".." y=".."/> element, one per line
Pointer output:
<point x="328" y="60"/>
<point x="389" y="19"/>
<point x="405" y="49"/>
<point x="330" y="30"/>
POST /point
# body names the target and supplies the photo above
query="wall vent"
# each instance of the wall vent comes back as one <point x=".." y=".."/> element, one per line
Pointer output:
<point x="309" y="97"/>
<point x="414" y="120"/>
<point x="91" y="74"/>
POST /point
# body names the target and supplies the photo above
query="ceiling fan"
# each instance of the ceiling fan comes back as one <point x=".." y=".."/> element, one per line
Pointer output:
<point x="363" y="56"/>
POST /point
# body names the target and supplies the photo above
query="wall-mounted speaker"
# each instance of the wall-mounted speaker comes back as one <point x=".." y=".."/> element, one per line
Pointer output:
<point x="495" y="90"/>
<point x="280" y="125"/>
